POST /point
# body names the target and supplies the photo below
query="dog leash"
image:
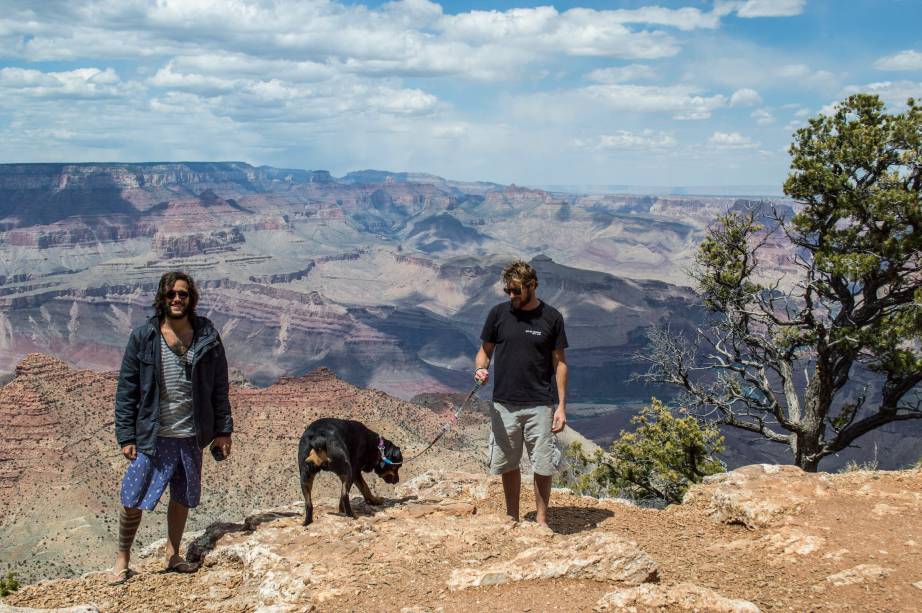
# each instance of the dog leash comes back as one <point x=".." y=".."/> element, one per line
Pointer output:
<point x="446" y="428"/>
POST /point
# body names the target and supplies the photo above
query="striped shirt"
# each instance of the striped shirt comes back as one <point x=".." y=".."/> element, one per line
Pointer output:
<point x="176" y="420"/>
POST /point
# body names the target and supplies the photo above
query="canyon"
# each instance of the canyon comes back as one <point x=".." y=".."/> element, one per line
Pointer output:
<point x="384" y="278"/>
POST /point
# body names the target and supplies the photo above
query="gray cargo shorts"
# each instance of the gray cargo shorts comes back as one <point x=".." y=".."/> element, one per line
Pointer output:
<point x="515" y="424"/>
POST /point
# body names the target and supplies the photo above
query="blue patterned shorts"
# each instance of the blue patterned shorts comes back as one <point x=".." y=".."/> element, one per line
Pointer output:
<point x="178" y="462"/>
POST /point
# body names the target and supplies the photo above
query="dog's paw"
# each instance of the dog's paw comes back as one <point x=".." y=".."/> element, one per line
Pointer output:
<point x="375" y="500"/>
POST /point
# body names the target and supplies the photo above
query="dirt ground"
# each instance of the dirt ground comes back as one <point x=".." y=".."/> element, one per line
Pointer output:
<point x="854" y="546"/>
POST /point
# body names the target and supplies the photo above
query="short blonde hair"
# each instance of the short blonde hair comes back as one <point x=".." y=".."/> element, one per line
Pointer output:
<point x="520" y="271"/>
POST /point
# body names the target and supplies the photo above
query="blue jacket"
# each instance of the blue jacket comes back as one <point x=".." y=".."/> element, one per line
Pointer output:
<point x="137" y="398"/>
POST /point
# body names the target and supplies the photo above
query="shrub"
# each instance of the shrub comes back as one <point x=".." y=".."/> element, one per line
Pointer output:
<point x="655" y="463"/>
<point x="8" y="584"/>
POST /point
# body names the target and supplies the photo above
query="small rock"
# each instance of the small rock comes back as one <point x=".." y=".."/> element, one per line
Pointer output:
<point x="685" y="596"/>
<point x="859" y="574"/>
<point x="601" y="557"/>
<point x="794" y="541"/>
<point x="881" y="509"/>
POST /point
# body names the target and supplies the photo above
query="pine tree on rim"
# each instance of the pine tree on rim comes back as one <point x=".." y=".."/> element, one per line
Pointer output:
<point x="817" y="358"/>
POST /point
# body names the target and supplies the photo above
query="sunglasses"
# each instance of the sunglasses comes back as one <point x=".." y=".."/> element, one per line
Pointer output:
<point x="173" y="294"/>
<point x="513" y="291"/>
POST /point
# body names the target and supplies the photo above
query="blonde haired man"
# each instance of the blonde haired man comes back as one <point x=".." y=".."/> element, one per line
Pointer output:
<point x="526" y="337"/>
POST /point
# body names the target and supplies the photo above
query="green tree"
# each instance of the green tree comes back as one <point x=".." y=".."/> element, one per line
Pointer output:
<point x="658" y="461"/>
<point x="852" y="312"/>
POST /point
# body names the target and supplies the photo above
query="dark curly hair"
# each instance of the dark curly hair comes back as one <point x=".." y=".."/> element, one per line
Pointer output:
<point x="520" y="271"/>
<point x="166" y="284"/>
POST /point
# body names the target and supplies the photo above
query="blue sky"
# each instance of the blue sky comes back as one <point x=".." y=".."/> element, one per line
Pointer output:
<point x="694" y="93"/>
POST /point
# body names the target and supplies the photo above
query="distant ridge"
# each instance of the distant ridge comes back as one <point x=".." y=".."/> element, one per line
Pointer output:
<point x="767" y="191"/>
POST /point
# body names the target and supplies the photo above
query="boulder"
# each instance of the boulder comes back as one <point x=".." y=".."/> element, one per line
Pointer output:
<point x="756" y="496"/>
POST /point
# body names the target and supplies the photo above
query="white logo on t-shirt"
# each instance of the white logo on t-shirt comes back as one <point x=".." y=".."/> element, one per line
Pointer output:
<point x="535" y="332"/>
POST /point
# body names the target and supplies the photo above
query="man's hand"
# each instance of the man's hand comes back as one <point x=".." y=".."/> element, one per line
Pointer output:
<point x="560" y="419"/>
<point x="130" y="452"/>
<point x="481" y="375"/>
<point x="223" y="443"/>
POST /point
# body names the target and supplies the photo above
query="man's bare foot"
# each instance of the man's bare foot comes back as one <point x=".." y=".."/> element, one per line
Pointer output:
<point x="120" y="571"/>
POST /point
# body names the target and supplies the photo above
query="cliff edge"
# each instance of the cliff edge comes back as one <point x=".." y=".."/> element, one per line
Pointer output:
<point x="759" y="538"/>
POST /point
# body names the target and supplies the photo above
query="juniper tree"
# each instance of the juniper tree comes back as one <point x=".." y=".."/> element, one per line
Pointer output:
<point x="782" y="357"/>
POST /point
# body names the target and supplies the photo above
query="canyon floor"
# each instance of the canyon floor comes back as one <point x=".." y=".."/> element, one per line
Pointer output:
<point x="763" y="537"/>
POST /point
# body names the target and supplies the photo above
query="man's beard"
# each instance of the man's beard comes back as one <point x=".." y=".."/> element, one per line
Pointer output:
<point x="182" y="315"/>
<point x="522" y="299"/>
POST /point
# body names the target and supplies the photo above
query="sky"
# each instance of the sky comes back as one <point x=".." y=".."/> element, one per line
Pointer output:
<point x="690" y="93"/>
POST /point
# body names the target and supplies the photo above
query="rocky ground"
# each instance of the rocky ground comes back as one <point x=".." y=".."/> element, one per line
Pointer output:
<point x="762" y="537"/>
<point x="60" y="466"/>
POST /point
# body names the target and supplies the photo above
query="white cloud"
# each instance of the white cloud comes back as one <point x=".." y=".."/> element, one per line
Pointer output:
<point x="801" y="71"/>
<point x="407" y="37"/>
<point x="894" y="93"/>
<point x="762" y="116"/>
<point x="771" y="8"/>
<point x="910" y="59"/>
<point x="239" y="65"/>
<point x="402" y="101"/>
<point x="745" y="97"/>
<point x="79" y="83"/>
<point x="207" y="85"/>
<point x="577" y="32"/>
<point x="624" y="139"/>
<point x="414" y="13"/>
<point x="621" y="74"/>
<point x="684" y="18"/>
<point x="682" y="101"/>
<point x="339" y="85"/>
<point x="731" y="140"/>
<point x="803" y="75"/>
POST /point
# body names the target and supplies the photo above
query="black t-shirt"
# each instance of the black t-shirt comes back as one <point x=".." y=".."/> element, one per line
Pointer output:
<point x="523" y="368"/>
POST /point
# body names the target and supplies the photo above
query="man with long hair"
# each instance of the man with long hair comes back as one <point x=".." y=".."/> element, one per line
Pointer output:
<point x="528" y="339"/>
<point x="171" y="402"/>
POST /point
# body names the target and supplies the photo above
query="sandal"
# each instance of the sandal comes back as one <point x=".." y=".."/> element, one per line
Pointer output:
<point x="120" y="577"/>
<point x="183" y="566"/>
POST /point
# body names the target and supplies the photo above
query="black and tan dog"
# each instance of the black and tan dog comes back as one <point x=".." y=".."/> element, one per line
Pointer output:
<point x="347" y="448"/>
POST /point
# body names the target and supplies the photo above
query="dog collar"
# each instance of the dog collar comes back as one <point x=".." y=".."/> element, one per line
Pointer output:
<point x="384" y="458"/>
